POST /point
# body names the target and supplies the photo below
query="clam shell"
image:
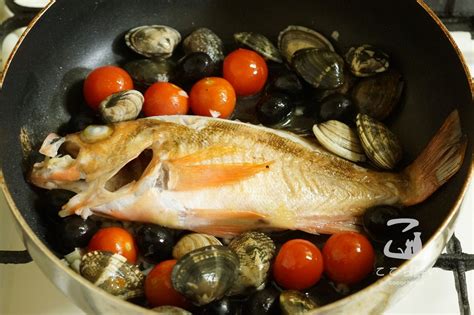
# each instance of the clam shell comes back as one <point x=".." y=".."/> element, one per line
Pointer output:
<point x="153" y="40"/>
<point x="260" y="44"/>
<point x="145" y="72"/>
<point x="381" y="145"/>
<point x="295" y="303"/>
<point x="205" y="274"/>
<point x="294" y="38"/>
<point x="255" y="251"/>
<point x="113" y="273"/>
<point x="377" y="96"/>
<point x="191" y="242"/>
<point x="339" y="139"/>
<point x="206" y="41"/>
<point x="321" y="68"/>
<point x="121" y="106"/>
<point x="366" y="60"/>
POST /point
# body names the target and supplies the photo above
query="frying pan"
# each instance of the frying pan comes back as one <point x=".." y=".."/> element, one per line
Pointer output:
<point x="42" y="89"/>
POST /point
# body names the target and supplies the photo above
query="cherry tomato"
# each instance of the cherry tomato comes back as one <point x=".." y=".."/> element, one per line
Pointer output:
<point x="159" y="289"/>
<point x="115" y="240"/>
<point x="164" y="98"/>
<point x="348" y="257"/>
<point x="246" y="70"/>
<point x="298" y="265"/>
<point x="214" y="97"/>
<point x="103" y="82"/>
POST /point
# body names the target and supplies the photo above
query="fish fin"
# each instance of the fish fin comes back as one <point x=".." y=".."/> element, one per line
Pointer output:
<point x="203" y="155"/>
<point x="317" y="224"/>
<point x="189" y="177"/>
<point x="225" y="223"/>
<point x="438" y="162"/>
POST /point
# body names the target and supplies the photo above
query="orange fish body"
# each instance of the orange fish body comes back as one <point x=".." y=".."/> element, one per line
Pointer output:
<point x="224" y="177"/>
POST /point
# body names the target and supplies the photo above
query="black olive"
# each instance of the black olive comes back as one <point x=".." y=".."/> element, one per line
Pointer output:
<point x="336" y="107"/>
<point x="375" y="223"/>
<point x="262" y="302"/>
<point x="274" y="108"/>
<point x="287" y="83"/>
<point x="51" y="202"/>
<point x="224" y="306"/>
<point x="74" y="231"/>
<point x="193" y="67"/>
<point x="154" y="242"/>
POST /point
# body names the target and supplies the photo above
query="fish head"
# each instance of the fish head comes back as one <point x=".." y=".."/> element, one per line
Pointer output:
<point x="97" y="153"/>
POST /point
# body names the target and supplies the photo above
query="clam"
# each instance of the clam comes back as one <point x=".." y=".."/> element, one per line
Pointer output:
<point x="321" y="68"/>
<point x="295" y="303"/>
<point x="377" y="96"/>
<point x="205" y="274"/>
<point x="193" y="241"/>
<point x="113" y="273"/>
<point x="255" y="251"/>
<point x="366" y="60"/>
<point x="381" y="145"/>
<point x="339" y="139"/>
<point x="153" y="40"/>
<point x="170" y="310"/>
<point x="260" y="44"/>
<point x="206" y="41"/>
<point x="95" y="133"/>
<point x="193" y="67"/>
<point x="145" y="72"/>
<point x="121" y="106"/>
<point x="349" y="81"/>
<point x="294" y="38"/>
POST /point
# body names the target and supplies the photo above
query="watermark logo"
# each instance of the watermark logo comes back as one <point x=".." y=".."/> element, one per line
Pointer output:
<point x="412" y="246"/>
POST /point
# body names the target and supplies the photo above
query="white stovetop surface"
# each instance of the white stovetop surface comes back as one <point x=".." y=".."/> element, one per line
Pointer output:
<point x="25" y="290"/>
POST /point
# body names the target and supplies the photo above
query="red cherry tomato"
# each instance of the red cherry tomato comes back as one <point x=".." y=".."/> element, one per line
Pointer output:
<point x="103" y="82"/>
<point x="214" y="97"/>
<point x="159" y="289"/>
<point x="115" y="240"/>
<point x="298" y="265"/>
<point x="348" y="257"/>
<point x="163" y="98"/>
<point x="246" y="70"/>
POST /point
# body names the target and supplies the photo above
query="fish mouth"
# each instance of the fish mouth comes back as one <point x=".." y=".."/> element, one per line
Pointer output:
<point x="59" y="169"/>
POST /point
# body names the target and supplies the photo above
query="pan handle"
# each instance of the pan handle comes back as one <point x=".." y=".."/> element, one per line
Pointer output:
<point x="14" y="257"/>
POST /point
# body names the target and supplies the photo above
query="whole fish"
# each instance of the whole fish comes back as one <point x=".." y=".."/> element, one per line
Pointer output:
<point x="224" y="177"/>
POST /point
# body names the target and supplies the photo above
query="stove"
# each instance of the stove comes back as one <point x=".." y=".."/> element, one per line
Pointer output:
<point x="26" y="290"/>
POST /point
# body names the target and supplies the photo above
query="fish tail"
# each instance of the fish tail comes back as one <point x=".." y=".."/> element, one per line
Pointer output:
<point x="438" y="162"/>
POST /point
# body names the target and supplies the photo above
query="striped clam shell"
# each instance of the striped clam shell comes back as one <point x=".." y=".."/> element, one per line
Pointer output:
<point x="366" y="60"/>
<point x="113" y="273"/>
<point x="260" y="44"/>
<point x="205" y="274"/>
<point x="380" y="144"/>
<point x="339" y="139"/>
<point x="191" y="242"/>
<point x="295" y="37"/>
<point x="255" y="251"/>
<point x="321" y="68"/>
<point x="153" y="40"/>
<point x="206" y="41"/>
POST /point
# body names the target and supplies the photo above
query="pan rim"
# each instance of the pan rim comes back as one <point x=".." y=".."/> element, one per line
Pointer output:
<point x="453" y="212"/>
